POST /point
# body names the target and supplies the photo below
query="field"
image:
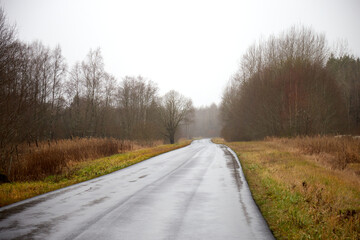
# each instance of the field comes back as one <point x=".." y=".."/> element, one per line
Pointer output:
<point x="306" y="188"/>
<point x="48" y="167"/>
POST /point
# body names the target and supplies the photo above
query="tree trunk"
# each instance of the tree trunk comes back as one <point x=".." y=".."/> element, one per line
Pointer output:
<point x="172" y="138"/>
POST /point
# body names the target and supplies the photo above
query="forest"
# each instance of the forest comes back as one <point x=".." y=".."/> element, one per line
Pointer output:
<point x="291" y="85"/>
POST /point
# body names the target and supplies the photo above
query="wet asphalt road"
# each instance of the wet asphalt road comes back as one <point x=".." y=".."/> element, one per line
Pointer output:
<point x="197" y="192"/>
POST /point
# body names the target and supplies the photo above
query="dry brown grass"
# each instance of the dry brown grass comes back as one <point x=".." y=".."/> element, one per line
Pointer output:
<point x="341" y="153"/>
<point x="80" y="171"/>
<point x="302" y="187"/>
<point x="54" y="157"/>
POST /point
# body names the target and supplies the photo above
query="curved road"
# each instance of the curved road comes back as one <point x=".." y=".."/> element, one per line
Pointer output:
<point x="197" y="192"/>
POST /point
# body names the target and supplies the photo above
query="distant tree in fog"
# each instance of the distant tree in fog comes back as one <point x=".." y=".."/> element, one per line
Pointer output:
<point x="174" y="109"/>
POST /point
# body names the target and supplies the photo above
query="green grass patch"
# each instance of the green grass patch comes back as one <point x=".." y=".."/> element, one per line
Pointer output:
<point x="80" y="171"/>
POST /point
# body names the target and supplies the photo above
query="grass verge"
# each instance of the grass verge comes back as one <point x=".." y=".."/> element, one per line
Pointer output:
<point x="300" y="196"/>
<point x="78" y="172"/>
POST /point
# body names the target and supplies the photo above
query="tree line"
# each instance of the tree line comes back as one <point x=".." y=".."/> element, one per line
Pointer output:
<point x="290" y="85"/>
<point x="42" y="98"/>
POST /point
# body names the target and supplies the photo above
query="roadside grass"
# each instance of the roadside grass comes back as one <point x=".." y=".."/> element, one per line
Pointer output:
<point x="302" y="195"/>
<point x="28" y="162"/>
<point x="341" y="153"/>
<point x="79" y="171"/>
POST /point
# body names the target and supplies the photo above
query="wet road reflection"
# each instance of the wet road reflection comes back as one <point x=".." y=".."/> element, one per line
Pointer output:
<point x="197" y="192"/>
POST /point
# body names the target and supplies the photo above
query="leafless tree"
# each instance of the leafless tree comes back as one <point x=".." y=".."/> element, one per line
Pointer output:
<point x="108" y="105"/>
<point x="93" y="72"/>
<point x="74" y="90"/>
<point x="137" y="100"/>
<point x="58" y="74"/>
<point x="174" y="108"/>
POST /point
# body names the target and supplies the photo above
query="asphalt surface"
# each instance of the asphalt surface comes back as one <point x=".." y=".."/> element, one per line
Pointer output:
<point x="197" y="192"/>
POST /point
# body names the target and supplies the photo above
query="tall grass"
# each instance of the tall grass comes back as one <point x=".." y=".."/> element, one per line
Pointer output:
<point x="55" y="157"/>
<point x="336" y="152"/>
<point x="79" y="171"/>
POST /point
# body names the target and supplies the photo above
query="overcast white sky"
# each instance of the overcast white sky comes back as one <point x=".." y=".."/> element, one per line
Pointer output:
<point x="190" y="46"/>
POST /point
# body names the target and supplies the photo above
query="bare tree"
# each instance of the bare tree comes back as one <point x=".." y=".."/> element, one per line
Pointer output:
<point x="58" y="72"/>
<point x="174" y="108"/>
<point x="74" y="90"/>
<point x="93" y="72"/>
<point x="137" y="102"/>
<point x="108" y="105"/>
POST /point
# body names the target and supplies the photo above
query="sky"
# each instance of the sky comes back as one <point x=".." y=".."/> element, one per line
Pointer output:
<point x="191" y="46"/>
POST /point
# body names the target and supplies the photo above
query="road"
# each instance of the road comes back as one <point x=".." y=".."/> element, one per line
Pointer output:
<point x="196" y="192"/>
